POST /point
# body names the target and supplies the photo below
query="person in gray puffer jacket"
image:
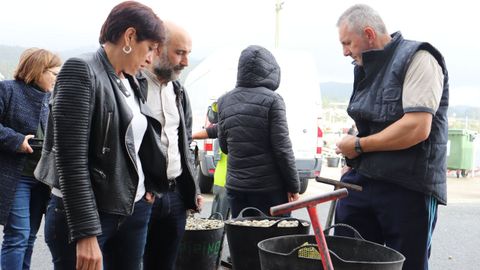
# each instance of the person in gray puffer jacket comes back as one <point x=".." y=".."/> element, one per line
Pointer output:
<point x="253" y="131"/>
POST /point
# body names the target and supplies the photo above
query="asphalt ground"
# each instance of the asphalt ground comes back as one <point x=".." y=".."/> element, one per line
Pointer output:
<point x="456" y="239"/>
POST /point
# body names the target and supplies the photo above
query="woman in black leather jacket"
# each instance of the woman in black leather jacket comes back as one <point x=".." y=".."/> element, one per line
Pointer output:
<point x="100" y="136"/>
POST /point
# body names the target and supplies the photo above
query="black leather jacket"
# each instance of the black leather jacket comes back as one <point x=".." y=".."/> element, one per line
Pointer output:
<point x="89" y="148"/>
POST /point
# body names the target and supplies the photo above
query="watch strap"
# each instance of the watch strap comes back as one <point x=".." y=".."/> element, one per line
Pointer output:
<point x="358" y="147"/>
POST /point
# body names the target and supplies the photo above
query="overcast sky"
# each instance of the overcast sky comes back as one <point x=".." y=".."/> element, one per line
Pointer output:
<point x="451" y="26"/>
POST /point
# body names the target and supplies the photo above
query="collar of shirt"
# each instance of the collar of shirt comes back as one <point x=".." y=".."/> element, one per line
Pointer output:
<point x="150" y="75"/>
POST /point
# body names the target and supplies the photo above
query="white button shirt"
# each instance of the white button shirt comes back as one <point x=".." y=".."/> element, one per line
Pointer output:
<point x="161" y="101"/>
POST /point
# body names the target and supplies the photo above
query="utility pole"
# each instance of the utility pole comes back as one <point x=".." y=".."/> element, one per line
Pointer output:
<point x="278" y="7"/>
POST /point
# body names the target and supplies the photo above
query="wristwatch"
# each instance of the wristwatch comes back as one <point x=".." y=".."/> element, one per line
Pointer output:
<point x="358" y="147"/>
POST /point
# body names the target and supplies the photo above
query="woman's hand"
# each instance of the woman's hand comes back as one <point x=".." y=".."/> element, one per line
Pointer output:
<point x="25" y="146"/>
<point x="89" y="255"/>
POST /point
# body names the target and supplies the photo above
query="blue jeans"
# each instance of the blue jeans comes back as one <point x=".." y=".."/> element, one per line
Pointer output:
<point x="20" y="231"/>
<point x="166" y="229"/>
<point x="389" y="214"/>
<point x="122" y="240"/>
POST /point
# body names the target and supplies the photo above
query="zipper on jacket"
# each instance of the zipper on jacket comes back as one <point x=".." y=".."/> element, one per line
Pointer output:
<point x="102" y="174"/>
<point x="128" y="152"/>
<point x="132" y="159"/>
<point x="106" y="149"/>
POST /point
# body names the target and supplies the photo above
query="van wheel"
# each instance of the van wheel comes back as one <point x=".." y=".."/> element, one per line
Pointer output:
<point x="303" y="185"/>
<point x="204" y="182"/>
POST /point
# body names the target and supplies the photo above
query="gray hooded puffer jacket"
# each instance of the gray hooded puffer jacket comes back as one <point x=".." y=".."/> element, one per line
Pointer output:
<point x="253" y="128"/>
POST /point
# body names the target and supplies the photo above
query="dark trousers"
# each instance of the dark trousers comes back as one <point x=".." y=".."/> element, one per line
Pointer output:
<point x="261" y="200"/>
<point x="122" y="240"/>
<point x="392" y="215"/>
<point x="165" y="232"/>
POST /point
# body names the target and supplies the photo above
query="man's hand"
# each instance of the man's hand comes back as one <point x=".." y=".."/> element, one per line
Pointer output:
<point x="25" y="146"/>
<point x="411" y="129"/>
<point x="346" y="147"/>
<point x="199" y="202"/>
<point x="89" y="255"/>
<point x="150" y="197"/>
<point x="344" y="170"/>
<point x="293" y="196"/>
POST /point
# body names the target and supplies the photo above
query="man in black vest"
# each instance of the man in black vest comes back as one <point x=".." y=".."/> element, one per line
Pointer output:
<point x="399" y="103"/>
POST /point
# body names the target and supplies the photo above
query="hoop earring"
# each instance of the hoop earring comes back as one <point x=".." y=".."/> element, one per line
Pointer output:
<point x="127" y="49"/>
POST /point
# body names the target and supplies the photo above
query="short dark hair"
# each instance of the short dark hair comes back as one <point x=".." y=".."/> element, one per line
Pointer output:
<point x="127" y="14"/>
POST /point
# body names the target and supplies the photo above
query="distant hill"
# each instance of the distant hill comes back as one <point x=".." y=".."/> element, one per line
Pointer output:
<point x="9" y="56"/>
<point x="459" y="115"/>
<point x="335" y="92"/>
<point x="76" y="52"/>
<point x="9" y="59"/>
<point x="332" y="92"/>
<point x="461" y="111"/>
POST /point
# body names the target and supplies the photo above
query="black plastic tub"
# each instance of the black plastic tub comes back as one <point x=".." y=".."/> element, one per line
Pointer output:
<point x="243" y="240"/>
<point x="200" y="249"/>
<point x="291" y="253"/>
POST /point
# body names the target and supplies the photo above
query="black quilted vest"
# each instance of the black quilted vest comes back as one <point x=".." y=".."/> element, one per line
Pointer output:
<point x="376" y="102"/>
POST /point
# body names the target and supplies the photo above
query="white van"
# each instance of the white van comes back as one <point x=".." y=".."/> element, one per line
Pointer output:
<point x="299" y="87"/>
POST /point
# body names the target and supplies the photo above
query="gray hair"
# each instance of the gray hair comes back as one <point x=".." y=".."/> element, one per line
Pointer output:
<point x="168" y="35"/>
<point x="360" y="16"/>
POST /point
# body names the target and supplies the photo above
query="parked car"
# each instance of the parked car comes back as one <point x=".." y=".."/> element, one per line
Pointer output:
<point x="300" y="89"/>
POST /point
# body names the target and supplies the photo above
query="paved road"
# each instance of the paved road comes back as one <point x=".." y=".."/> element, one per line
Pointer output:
<point x="456" y="238"/>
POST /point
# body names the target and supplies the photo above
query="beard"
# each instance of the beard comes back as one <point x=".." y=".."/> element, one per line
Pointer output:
<point x="166" y="70"/>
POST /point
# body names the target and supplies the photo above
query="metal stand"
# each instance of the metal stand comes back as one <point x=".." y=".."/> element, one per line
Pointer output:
<point x="337" y="185"/>
<point x="311" y="203"/>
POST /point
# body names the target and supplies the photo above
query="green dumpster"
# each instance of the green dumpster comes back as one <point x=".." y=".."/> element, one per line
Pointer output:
<point x="460" y="153"/>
